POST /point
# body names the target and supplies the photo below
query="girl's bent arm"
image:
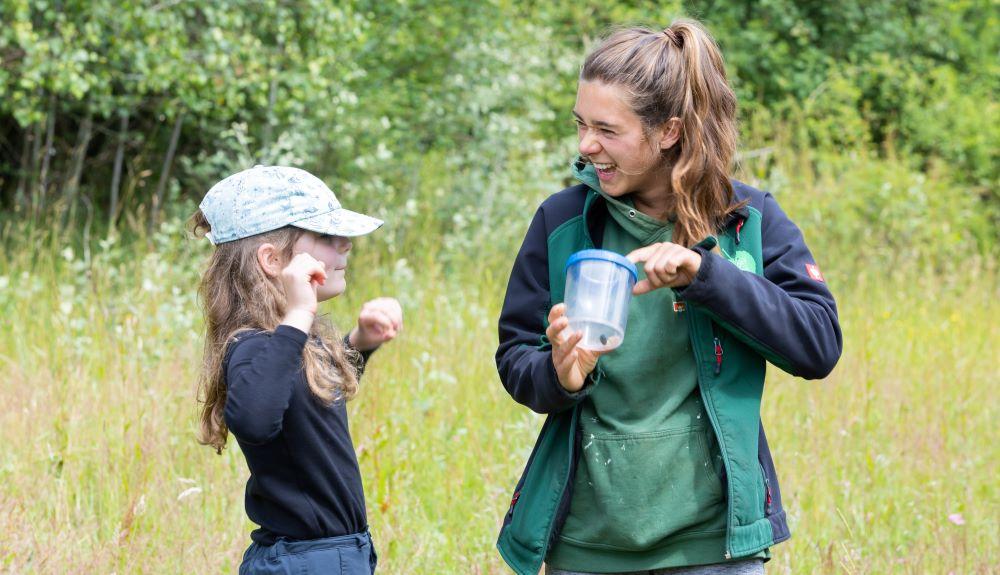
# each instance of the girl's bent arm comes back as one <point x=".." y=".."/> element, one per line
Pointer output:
<point x="261" y="373"/>
<point x="358" y="358"/>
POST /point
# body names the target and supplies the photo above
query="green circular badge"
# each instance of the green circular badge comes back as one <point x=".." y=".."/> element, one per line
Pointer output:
<point x="744" y="261"/>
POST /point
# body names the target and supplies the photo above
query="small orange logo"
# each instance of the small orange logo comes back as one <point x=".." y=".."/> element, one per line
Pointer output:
<point x="679" y="306"/>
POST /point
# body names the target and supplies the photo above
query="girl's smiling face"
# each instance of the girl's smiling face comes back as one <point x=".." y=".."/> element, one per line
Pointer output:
<point x="333" y="252"/>
<point x="613" y="138"/>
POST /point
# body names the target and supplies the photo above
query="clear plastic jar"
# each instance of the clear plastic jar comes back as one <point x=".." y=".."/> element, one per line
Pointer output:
<point x="598" y="291"/>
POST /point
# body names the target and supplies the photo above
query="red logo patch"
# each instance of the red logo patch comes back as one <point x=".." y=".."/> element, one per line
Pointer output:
<point x="814" y="272"/>
<point x="679" y="306"/>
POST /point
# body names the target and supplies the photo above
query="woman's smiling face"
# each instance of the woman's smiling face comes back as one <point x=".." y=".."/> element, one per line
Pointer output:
<point x="612" y="136"/>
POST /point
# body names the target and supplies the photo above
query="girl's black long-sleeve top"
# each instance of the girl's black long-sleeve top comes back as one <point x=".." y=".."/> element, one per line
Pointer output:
<point x="304" y="477"/>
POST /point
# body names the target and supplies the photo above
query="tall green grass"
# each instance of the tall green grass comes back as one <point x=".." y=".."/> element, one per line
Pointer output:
<point x="100" y="471"/>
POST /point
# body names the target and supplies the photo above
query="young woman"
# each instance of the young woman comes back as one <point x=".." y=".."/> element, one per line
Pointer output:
<point x="653" y="457"/>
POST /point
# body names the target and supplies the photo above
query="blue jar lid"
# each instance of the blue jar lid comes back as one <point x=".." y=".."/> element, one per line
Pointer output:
<point x="604" y="255"/>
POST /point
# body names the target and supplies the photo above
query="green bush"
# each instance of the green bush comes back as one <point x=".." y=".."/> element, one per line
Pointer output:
<point x="115" y="112"/>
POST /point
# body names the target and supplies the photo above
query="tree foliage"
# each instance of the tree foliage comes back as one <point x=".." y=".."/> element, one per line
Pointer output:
<point x="412" y="98"/>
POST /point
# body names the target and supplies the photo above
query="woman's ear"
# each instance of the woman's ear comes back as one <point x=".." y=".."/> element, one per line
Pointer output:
<point x="267" y="257"/>
<point x="671" y="134"/>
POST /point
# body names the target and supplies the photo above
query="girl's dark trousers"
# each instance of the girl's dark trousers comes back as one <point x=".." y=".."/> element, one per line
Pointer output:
<point x="344" y="555"/>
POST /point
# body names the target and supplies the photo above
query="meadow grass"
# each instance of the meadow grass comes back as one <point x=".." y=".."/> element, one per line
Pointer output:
<point x="100" y="471"/>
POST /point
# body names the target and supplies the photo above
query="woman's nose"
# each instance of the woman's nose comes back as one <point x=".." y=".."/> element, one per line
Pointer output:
<point x="588" y="144"/>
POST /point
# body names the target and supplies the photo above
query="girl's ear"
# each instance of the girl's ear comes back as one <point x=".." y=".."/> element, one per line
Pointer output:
<point x="267" y="257"/>
<point x="671" y="134"/>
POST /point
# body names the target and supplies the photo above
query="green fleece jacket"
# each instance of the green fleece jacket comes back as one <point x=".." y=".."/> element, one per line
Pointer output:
<point x="762" y="298"/>
<point x="647" y="493"/>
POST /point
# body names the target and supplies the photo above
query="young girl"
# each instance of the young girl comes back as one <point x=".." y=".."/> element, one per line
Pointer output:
<point x="277" y="376"/>
<point x="653" y="458"/>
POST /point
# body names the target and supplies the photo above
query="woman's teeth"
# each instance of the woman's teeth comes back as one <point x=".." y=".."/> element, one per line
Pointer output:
<point x="603" y="167"/>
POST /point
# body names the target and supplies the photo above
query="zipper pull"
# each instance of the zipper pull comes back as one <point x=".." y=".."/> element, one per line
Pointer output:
<point x="513" y="501"/>
<point x="718" y="356"/>
<point x="767" y="490"/>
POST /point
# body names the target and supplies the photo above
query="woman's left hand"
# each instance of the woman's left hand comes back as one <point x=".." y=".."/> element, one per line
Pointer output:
<point x="667" y="265"/>
<point x="380" y="320"/>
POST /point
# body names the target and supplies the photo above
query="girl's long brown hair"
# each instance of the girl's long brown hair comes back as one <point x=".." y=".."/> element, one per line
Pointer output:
<point x="238" y="296"/>
<point x="678" y="72"/>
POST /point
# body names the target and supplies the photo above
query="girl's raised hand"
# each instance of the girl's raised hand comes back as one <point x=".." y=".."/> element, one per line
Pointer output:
<point x="380" y="320"/>
<point x="572" y="363"/>
<point x="300" y="278"/>
<point x="667" y="265"/>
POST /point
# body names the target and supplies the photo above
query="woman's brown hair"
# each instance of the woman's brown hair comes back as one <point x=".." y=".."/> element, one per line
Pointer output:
<point x="237" y="296"/>
<point x="678" y="72"/>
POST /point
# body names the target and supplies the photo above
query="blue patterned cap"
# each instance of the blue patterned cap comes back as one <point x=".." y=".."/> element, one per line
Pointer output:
<point x="266" y="198"/>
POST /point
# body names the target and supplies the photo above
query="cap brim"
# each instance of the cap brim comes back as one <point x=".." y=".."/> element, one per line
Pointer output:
<point x="340" y="222"/>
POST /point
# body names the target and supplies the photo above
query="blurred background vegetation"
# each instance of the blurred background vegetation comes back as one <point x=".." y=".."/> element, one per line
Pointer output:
<point x="121" y="112"/>
<point x="874" y="123"/>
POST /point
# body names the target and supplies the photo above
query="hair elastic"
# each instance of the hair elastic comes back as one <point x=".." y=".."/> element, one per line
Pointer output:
<point x="672" y="36"/>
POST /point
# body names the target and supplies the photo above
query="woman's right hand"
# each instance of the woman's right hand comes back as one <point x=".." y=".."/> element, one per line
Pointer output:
<point x="300" y="278"/>
<point x="572" y="364"/>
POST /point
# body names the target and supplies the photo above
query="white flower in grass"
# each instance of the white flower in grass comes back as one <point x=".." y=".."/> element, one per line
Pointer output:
<point x="188" y="492"/>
